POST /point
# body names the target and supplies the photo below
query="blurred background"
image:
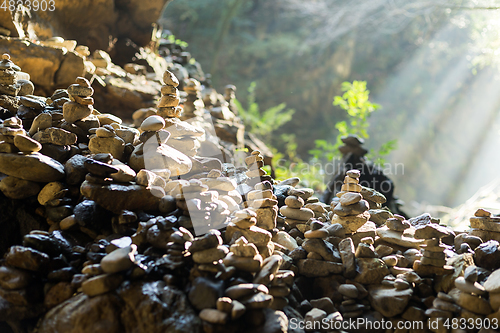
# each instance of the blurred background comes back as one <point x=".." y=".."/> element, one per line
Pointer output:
<point x="432" y="66"/>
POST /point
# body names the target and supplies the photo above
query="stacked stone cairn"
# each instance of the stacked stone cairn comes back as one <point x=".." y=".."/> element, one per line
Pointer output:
<point x="13" y="82"/>
<point x="352" y="210"/>
<point x="265" y="204"/>
<point x="296" y="216"/>
<point x="255" y="173"/>
<point x="225" y="187"/>
<point x="484" y="225"/>
<point x="194" y="105"/>
<point x="433" y="259"/>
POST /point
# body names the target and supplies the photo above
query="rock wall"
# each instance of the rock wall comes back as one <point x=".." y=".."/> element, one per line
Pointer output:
<point x="95" y="23"/>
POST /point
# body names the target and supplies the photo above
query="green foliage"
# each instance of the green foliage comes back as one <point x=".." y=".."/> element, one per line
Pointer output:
<point x="262" y="123"/>
<point x="355" y="102"/>
<point x="290" y="165"/>
<point x="177" y="41"/>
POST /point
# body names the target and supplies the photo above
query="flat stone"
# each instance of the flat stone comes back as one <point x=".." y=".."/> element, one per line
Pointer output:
<point x="354" y="209"/>
<point x="210" y="255"/>
<point x="26" y="144"/>
<point x="318" y="234"/>
<point x="153" y="124"/>
<point x="397" y="238"/>
<point x="210" y="240"/>
<point x="317" y="268"/>
<point x="239" y="291"/>
<point x="440" y="304"/>
<point x="16" y="188"/>
<point x="119" y="260"/>
<point x="302" y="214"/>
<point x="244" y="250"/>
<point x="101" y="284"/>
<point x="474" y="304"/>
<point x="468" y="287"/>
<point x="428" y="270"/>
<point x="485" y="223"/>
<point x="432" y="230"/>
<point x="397" y="225"/>
<point x="324" y="249"/>
<point x="246" y="264"/>
<point x="257" y="301"/>
<point x="351" y="223"/>
<point x="350" y="198"/>
<point x="433" y="262"/>
<point x="314" y="317"/>
<point x="26" y="258"/>
<point x="116" y="197"/>
<point x="58" y="136"/>
<point x="256" y="235"/>
<point x="214" y="316"/>
<point x="260" y="194"/>
<point x="389" y="301"/>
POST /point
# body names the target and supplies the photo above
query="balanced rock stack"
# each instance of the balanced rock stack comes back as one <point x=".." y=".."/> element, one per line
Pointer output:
<point x="105" y="140"/>
<point x="254" y="163"/>
<point x="81" y="104"/>
<point x="106" y="276"/>
<point x="243" y="256"/>
<point x="168" y="105"/>
<point x="265" y="204"/>
<point x="243" y="224"/>
<point x="184" y="136"/>
<point x="398" y="233"/>
<point x="353" y="304"/>
<point x="154" y="153"/>
<point x="352" y="210"/>
<point x="208" y="249"/>
<point x="225" y="187"/>
<point x="13" y="82"/>
<point x="296" y="216"/>
<point x="353" y="145"/>
<point x="203" y="207"/>
<point x="484" y="225"/>
<point x="193" y="107"/>
<point x="443" y="307"/>
<point x="433" y="259"/>
<point x="472" y="295"/>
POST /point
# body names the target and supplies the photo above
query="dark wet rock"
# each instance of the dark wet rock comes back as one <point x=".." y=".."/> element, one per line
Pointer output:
<point x="90" y="215"/>
<point x="83" y="314"/>
<point x="204" y="293"/>
<point x="487" y="255"/>
<point x="26" y="258"/>
<point x="116" y="197"/>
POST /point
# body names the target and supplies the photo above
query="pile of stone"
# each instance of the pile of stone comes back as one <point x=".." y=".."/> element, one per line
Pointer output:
<point x="296" y="216"/>
<point x="13" y="82"/>
<point x="484" y="225"/>
<point x="352" y="210"/>
<point x="433" y="259"/>
<point x="193" y="106"/>
<point x="265" y="204"/>
<point x="256" y="174"/>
